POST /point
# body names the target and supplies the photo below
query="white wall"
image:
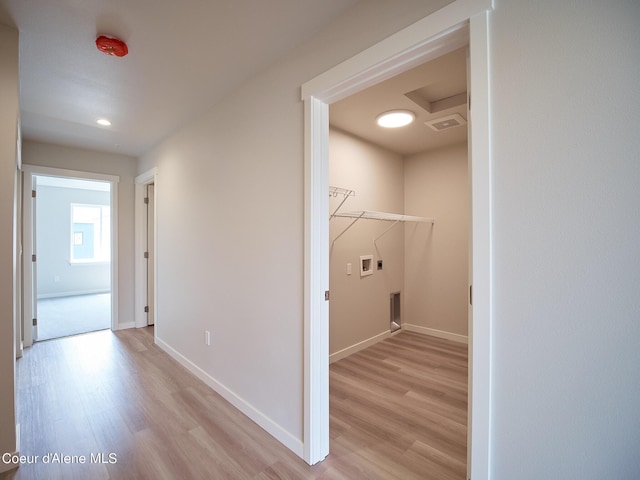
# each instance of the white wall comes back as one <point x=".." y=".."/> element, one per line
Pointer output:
<point x="8" y="170"/>
<point x="57" y="276"/>
<point x="359" y="306"/>
<point x="436" y="184"/>
<point x="566" y="237"/>
<point x="566" y="190"/>
<point x="55" y="156"/>
<point x="230" y="223"/>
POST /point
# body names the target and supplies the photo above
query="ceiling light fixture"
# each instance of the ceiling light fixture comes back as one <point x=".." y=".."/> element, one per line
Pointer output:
<point x="395" y="118"/>
<point x="103" y="121"/>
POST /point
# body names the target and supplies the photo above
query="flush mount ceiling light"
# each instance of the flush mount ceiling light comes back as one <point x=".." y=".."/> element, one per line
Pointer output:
<point x="395" y="118"/>
<point x="103" y="121"/>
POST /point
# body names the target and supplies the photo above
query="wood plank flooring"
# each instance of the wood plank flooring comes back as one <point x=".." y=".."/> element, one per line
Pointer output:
<point x="398" y="411"/>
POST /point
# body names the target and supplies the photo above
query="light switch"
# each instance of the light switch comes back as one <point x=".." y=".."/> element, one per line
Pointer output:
<point x="348" y="269"/>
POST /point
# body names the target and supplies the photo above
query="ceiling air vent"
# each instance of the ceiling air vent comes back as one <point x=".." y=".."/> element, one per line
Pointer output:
<point x="442" y="123"/>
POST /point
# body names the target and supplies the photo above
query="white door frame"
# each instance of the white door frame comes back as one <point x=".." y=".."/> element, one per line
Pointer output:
<point x="140" y="300"/>
<point x="29" y="171"/>
<point x="428" y="38"/>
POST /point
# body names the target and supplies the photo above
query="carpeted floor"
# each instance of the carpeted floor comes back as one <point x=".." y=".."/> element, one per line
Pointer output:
<point x="64" y="316"/>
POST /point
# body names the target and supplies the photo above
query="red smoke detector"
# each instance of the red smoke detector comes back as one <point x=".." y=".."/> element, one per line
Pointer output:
<point x="111" y="46"/>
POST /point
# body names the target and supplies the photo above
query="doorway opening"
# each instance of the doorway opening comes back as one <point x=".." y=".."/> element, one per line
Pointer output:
<point x="400" y="198"/>
<point x="441" y="32"/>
<point x="69" y="266"/>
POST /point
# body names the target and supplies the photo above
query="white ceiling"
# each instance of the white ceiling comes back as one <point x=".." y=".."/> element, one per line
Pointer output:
<point x="439" y="79"/>
<point x="184" y="56"/>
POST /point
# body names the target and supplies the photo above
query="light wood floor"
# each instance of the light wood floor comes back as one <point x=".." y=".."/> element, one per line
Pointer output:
<point x="398" y="411"/>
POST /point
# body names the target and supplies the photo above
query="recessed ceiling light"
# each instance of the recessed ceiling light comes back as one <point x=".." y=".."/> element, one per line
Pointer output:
<point x="103" y="121"/>
<point x="395" y="118"/>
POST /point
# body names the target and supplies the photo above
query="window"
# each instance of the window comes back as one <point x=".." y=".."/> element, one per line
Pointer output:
<point x="90" y="233"/>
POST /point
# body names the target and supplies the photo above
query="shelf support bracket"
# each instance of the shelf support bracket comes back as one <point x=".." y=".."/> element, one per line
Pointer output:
<point x="348" y="227"/>
<point x="341" y="203"/>
<point x="387" y="229"/>
<point x="334" y="192"/>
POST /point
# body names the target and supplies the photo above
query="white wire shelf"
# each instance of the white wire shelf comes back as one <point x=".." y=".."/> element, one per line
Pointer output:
<point x="335" y="191"/>
<point x="387" y="217"/>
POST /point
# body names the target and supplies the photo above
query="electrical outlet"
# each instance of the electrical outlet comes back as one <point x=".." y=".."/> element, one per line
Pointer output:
<point x="207" y="338"/>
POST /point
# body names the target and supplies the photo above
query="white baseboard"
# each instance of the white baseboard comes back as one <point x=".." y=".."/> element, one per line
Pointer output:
<point x="345" y="352"/>
<point x="5" y="467"/>
<point x="72" y="294"/>
<point x="436" y="333"/>
<point x="275" y="430"/>
<point x="126" y="325"/>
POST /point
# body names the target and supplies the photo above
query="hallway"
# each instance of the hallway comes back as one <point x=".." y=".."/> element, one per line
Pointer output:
<point x="116" y="395"/>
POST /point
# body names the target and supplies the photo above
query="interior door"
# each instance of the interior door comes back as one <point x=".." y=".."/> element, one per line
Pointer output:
<point x="470" y="274"/>
<point x="34" y="261"/>
<point x="151" y="255"/>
